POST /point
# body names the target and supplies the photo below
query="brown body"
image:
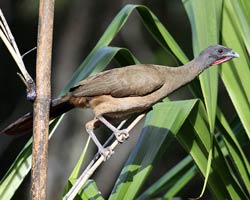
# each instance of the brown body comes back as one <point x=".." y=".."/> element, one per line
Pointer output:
<point x="118" y="93"/>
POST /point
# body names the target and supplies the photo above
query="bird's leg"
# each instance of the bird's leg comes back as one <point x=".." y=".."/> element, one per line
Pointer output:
<point x="106" y="152"/>
<point x="112" y="135"/>
<point x="121" y="135"/>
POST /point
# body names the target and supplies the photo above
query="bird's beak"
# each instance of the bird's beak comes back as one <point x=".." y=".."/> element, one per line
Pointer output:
<point x="232" y="54"/>
<point x="226" y="57"/>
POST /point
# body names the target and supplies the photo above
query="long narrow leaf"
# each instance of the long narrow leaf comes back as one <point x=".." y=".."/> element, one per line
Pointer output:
<point x="205" y="17"/>
<point x="19" y="169"/>
<point x="165" y="120"/>
<point x="235" y="150"/>
<point x="183" y="172"/>
<point x="198" y="146"/>
<point x="151" y="22"/>
<point x="235" y="75"/>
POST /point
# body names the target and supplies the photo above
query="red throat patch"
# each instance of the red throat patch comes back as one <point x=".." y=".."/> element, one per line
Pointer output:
<point x="217" y="62"/>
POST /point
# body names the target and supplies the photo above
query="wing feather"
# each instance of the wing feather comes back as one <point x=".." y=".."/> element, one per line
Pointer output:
<point x="135" y="80"/>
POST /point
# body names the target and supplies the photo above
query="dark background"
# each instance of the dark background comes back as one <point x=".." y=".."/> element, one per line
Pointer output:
<point x="78" y="26"/>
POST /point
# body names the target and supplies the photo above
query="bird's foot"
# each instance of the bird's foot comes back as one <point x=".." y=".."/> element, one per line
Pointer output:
<point x="121" y="135"/>
<point x="106" y="152"/>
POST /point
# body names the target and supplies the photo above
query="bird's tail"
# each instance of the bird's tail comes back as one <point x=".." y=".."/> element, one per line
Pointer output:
<point x="25" y="123"/>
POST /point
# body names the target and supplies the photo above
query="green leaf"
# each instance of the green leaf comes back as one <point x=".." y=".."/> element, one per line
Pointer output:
<point x="74" y="175"/>
<point x="160" y="128"/>
<point x="151" y="22"/>
<point x="173" y="181"/>
<point x="234" y="149"/>
<point x="180" y="183"/>
<point x="205" y="20"/>
<point x="97" y="61"/>
<point x="198" y="145"/>
<point x="240" y="16"/>
<point x="18" y="170"/>
<point x="163" y="122"/>
<point x="91" y="191"/>
<point x="235" y="75"/>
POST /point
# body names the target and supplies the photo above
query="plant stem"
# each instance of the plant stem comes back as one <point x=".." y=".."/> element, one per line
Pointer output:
<point x="42" y="102"/>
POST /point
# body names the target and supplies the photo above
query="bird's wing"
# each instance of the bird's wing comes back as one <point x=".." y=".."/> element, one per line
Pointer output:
<point x="135" y="80"/>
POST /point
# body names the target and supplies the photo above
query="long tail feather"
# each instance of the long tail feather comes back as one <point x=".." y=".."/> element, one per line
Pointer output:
<point x="25" y="123"/>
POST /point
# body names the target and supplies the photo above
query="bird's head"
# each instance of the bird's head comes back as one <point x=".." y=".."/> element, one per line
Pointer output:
<point x="216" y="54"/>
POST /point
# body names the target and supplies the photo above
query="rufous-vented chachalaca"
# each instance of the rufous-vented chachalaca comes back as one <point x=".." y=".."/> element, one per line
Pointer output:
<point x="117" y="93"/>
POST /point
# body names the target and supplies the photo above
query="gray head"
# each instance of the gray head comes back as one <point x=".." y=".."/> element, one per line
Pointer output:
<point x="216" y="54"/>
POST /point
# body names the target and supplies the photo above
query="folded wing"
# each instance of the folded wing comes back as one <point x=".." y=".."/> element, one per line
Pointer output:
<point x="134" y="80"/>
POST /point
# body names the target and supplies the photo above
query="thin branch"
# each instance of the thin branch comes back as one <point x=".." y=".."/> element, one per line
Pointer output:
<point x="10" y="43"/>
<point x="26" y="53"/>
<point x="94" y="164"/>
<point x="42" y="102"/>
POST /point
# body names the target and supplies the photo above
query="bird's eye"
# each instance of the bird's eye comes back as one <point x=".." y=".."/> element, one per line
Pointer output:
<point x="220" y="50"/>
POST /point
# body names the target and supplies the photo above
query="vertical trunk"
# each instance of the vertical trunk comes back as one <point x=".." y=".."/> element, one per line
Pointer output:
<point x="42" y="102"/>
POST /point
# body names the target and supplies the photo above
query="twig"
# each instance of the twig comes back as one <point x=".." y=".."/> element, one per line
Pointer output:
<point x="29" y="51"/>
<point x="10" y="43"/>
<point x="94" y="164"/>
<point x="42" y="102"/>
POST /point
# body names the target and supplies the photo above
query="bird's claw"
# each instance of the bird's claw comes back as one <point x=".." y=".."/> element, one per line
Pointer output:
<point x="106" y="153"/>
<point x="122" y="135"/>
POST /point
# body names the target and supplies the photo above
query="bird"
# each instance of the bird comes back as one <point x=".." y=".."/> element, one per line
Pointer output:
<point x="116" y="94"/>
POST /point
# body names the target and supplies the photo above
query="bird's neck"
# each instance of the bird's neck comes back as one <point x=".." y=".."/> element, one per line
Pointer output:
<point x="194" y="67"/>
<point x="176" y="77"/>
<point x="179" y="76"/>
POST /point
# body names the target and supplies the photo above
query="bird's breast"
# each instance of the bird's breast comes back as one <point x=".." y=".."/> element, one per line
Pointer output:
<point x="112" y="107"/>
